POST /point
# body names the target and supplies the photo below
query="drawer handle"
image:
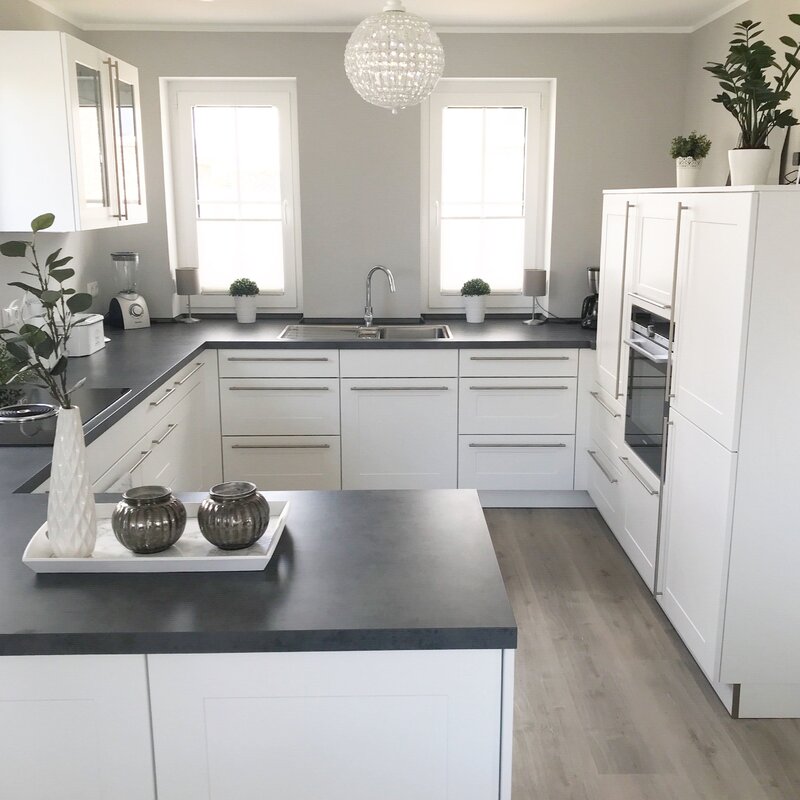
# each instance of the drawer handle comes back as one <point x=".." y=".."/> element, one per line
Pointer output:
<point x="199" y="366"/>
<point x="519" y="358"/>
<point x="610" y="410"/>
<point x="171" y="427"/>
<point x="635" y="296"/>
<point x="475" y="444"/>
<point x="156" y="403"/>
<point x="144" y="456"/>
<point x="399" y="388"/>
<point x="279" y="388"/>
<point x="608" y="477"/>
<point x="516" y="388"/>
<point x="263" y="359"/>
<point x="280" y="447"/>
<point x="648" y="489"/>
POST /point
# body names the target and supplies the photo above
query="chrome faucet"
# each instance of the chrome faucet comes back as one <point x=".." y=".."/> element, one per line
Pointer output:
<point x="368" y="305"/>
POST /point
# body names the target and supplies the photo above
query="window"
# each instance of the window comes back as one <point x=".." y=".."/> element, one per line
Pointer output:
<point x="485" y="187"/>
<point x="235" y="187"/>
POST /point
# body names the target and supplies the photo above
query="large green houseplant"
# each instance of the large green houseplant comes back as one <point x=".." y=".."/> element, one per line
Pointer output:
<point x="755" y="84"/>
<point x="38" y="352"/>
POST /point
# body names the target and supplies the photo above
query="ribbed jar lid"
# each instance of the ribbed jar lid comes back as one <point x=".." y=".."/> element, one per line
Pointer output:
<point x="233" y="490"/>
<point x="147" y="495"/>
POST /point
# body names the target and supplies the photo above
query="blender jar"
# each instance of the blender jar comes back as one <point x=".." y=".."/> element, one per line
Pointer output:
<point x="126" y="265"/>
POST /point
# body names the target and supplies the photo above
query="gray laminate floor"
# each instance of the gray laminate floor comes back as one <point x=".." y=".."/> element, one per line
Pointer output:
<point x="609" y="705"/>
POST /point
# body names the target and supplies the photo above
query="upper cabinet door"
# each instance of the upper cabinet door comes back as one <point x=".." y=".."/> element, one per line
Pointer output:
<point x="619" y="219"/>
<point x="712" y="311"/>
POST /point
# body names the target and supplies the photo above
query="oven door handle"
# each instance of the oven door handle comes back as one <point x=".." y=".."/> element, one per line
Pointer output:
<point x="646" y="353"/>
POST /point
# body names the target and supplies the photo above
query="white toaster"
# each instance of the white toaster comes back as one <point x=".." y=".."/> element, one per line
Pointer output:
<point x="87" y="336"/>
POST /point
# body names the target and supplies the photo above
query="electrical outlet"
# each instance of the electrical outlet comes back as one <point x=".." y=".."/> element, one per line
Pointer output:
<point x="93" y="288"/>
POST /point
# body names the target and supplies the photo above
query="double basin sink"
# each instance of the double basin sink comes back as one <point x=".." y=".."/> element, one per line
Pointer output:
<point x="362" y="333"/>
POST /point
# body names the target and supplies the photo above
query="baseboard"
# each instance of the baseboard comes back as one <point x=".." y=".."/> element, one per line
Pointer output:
<point x="769" y="701"/>
<point x="565" y="499"/>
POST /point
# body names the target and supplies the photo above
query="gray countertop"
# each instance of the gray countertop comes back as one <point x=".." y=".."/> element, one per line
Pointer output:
<point x="373" y="571"/>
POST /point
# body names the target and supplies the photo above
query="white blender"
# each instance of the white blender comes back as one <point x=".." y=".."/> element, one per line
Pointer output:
<point x="128" y="308"/>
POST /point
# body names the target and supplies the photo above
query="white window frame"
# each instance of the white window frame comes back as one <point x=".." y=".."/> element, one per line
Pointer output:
<point x="538" y="97"/>
<point x="181" y="95"/>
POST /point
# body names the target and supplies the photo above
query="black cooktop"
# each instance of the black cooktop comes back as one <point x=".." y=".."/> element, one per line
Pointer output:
<point x="41" y="433"/>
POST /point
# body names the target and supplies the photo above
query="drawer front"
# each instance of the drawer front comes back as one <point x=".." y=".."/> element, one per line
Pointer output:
<point x="170" y="393"/>
<point x="542" y="362"/>
<point x="517" y="405"/>
<point x="283" y="463"/>
<point x="605" y="488"/>
<point x="279" y="407"/>
<point x="399" y="363"/>
<point x="607" y="424"/>
<point x="525" y="463"/>
<point x="278" y="363"/>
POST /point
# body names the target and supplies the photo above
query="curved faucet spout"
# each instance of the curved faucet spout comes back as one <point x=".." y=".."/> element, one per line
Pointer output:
<point x="368" y="316"/>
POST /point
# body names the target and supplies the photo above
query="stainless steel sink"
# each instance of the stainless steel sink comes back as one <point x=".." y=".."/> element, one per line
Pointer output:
<point x="362" y="333"/>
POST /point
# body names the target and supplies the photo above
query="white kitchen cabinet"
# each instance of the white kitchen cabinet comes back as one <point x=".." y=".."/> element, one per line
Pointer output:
<point x="619" y="220"/>
<point x="604" y="487"/>
<point x="75" y="728"/>
<point x="398" y="363"/>
<point x="399" y="433"/>
<point x="518" y="363"/>
<point x="696" y="529"/>
<point x="355" y="725"/>
<point x="70" y="134"/>
<point x="237" y="363"/>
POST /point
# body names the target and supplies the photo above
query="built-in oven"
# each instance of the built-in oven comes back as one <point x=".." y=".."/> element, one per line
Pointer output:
<point x="647" y="405"/>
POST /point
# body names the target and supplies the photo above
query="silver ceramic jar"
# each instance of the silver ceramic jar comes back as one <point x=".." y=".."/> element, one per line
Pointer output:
<point x="234" y="516"/>
<point x="148" y="519"/>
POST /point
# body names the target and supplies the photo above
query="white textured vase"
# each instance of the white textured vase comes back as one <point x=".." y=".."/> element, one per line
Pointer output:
<point x="71" y="515"/>
<point x="749" y="167"/>
<point x="475" y="307"/>
<point x="245" y="308"/>
<point x="687" y="172"/>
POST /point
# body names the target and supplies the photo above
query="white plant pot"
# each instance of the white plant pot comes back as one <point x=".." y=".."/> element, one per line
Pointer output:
<point x="71" y="515"/>
<point x="688" y="172"/>
<point x="246" y="308"/>
<point x="475" y="308"/>
<point x="749" y="167"/>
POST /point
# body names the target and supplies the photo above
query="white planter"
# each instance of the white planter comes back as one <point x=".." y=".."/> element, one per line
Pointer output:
<point x="475" y="308"/>
<point x="246" y="308"/>
<point x="71" y="516"/>
<point x="749" y="167"/>
<point x="688" y="172"/>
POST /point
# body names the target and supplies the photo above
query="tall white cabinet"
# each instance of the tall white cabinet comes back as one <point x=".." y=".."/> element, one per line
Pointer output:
<point x="716" y="539"/>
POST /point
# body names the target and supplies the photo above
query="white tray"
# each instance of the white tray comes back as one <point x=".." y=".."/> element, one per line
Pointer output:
<point x="191" y="553"/>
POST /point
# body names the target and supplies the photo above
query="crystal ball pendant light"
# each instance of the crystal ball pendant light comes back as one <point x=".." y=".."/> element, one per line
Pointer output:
<point x="394" y="59"/>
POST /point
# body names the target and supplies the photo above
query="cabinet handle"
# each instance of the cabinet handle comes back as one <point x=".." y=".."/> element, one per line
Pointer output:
<point x="262" y="359"/>
<point x="123" y="215"/>
<point x="280" y="447"/>
<point x="145" y="454"/>
<point x="279" y="388"/>
<point x="111" y="66"/>
<point x="628" y="207"/>
<point x="200" y="365"/>
<point x="519" y="358"/>
<point x="156" y="403"/>
<point x="399" y="388"/>
<point x="610" y="410"/>
<point x="516" y="388"/>
<point x="663" y="306"/>
<point x="609" y="478"/>
<point x="504" y="444"/>
<point x="627" y="463"/>
<point x="171" y="427"/>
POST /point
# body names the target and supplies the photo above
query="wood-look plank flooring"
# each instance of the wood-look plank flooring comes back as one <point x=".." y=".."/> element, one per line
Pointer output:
<point x="609" y="704"/>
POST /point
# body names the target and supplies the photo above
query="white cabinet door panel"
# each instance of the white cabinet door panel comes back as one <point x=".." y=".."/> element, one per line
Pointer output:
<point x="399" y="363"/>
<point x="339" y="725"/>
<point x="517" y="405"/>
<point x="275" y="363"/>
<point x="513" y="362"/>
<point x="604" y="487"/>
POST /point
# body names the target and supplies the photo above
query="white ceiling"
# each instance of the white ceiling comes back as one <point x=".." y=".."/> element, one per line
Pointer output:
<point x="194" y="14"/>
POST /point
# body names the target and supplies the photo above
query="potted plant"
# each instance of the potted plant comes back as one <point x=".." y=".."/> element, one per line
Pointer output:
<point x="753" y="97"/>
<point x="38" y="351"/>
<point x="474" y="293"/>
<point x="689" y="152"/>
<point x="244" y="293"/>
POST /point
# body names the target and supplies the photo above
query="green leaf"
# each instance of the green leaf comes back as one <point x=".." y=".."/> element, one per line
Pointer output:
<point x="79" y="302"/>
<point x="61" y="275"/>
<point x="794" y="18"/>
<point x="42" y="222"/>
<point x="788" y="41"/>
<point x="14" y="249"/>
<point x="27" y="288"/>
<point x="45" y="348"/>
<point x="60" y="262"/>
<point x="59" y="366"/>
<point x="50" y="298"/>
<point x="52" y="257"/>
<point x="18" y="352"/>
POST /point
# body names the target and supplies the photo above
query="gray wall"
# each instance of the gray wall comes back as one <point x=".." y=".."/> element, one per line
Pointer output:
<point x="711" y="44"/>
<point x="620" y="98"/>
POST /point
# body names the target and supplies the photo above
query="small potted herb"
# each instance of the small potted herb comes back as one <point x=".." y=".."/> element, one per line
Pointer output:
<point x="244" y="293"/>
<point x="689" y="152"/>
<point x="474" y="293"/>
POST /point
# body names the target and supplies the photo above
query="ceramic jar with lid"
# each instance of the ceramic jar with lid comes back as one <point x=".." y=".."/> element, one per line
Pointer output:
<point x="234" y="516"/>
<point x="148" y="519"/>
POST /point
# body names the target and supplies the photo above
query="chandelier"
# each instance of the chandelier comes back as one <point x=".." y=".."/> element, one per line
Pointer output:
<point x="394" y="59"/>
